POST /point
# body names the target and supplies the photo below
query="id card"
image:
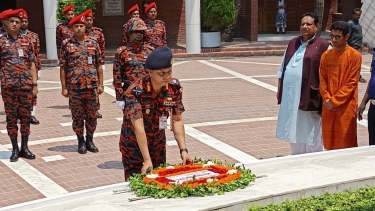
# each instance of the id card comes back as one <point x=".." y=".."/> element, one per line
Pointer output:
<point x="20" y="52"/>
<point x="162" y="122"/>
<point x="89" y="59"/>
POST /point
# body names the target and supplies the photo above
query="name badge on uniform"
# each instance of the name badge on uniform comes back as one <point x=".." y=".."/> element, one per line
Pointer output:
<point x="89" y="59"/>
<point x="162" y="122"/>
<point x="20" y="52"/>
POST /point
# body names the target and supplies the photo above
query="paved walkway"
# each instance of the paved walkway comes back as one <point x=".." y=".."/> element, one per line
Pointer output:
<point x="231" y="114"/>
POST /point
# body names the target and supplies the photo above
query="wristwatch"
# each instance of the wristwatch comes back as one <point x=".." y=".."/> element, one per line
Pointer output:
<point x="184" y="149"/>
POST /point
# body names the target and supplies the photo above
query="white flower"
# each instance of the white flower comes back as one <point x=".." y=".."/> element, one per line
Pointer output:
<point x="152" y="176"/>
<point x="209" y="180"/>
<point x="208" y="164"/>
<point x="170" y="167"/>
<point x="232" y="171"/>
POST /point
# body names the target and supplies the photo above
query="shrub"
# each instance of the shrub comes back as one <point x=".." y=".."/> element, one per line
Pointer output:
<point x="79" y="6"/>
<point x="216" y="14"/>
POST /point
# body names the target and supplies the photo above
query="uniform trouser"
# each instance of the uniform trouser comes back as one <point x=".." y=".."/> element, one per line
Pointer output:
<point x="83" y="103"/>
<point x="34" y="100"/>
<point x="17" y="105"/>
<point x="371" y="124"/>
<point x="132" y="158"/>
<point x="98" y="104"/>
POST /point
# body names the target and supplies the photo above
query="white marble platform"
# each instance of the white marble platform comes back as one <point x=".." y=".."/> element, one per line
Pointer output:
<point x="287" y="177"/>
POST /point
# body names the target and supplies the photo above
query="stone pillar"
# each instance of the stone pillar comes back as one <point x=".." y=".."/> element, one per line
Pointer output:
<point x="193" y="26"/>
<point x="50" y="23"/>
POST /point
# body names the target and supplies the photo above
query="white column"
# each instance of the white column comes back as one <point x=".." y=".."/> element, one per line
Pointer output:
<point x="193" y="26"/>
<point x="50" y="23"/>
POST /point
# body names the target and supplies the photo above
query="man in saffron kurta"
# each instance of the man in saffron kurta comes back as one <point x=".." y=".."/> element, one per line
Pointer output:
<point x="339" y="73"/>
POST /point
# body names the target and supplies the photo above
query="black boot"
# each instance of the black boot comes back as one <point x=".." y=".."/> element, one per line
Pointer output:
<point x="99" y="115"/>
<point x="15" y="151"/>
<point x="90" y="144"/>
<point x="34" y="121"/>
<point x="81" y="145"/>
<point x="25" y="152"/>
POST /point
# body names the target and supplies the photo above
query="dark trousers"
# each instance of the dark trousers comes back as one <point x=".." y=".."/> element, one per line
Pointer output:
<point x="371" y="124"/>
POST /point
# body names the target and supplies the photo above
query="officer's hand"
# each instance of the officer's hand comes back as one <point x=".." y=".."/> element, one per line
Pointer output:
<point x="64" y="92"/>
<point x="35" y="90"/>
<point x="100" y="90"/>
<point x="360" y="110"/>
<point x="120" y="104"/>
<point x="147" y="165"/>
<point x="39" y="74"/>
<point x="185" y="158"/>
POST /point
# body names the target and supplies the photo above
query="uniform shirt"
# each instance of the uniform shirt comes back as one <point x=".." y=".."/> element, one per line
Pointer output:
<point x="76" y="57"/>
<point x="97" y="34"/>
<point x="62" y="32"/>
<point x="128" y="66"/>
<point x="34" y="38"/>
<point x="3" y="30"/>
<point x="156" y="34"/>
<point x="16" y="56"/>
<point x="142" y="102"/>
<point x="356" y="37"/>
<point x="125" y="37"/>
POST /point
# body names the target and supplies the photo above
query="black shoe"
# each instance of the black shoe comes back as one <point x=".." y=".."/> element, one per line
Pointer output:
<point x="90" y="144"/>
<point x="34" y="121"/>
<point x="283" y="32"/>
<point x="99" y="115"/>
<point x="25" y="152"/>
<point x="15" y="152"/>
<point x="81" y="145"/>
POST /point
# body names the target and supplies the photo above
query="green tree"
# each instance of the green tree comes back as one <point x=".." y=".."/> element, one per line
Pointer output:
<point x="216" y="14"/>
<point x="79" y="7"/>
<point x="228" y="33"/>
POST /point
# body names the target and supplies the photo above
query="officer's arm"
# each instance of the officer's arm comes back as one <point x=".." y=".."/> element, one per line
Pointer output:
<point x="63" y="77"/>
<point x="179" y="130"/>
<point x="140" y="133"/>
<point x="33" y="72"/>
<point x="117" y="75"/>
<point x="100" y="74"/>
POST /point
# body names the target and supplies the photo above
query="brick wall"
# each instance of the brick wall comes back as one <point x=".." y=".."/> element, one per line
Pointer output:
<point x="34" y="9"/>
<point x="330" y="7"/>
<point x="247" y="23"/>
<point x="347" y="8"/>
<point x="173" y="14"/>
<point x="253" y="20"/>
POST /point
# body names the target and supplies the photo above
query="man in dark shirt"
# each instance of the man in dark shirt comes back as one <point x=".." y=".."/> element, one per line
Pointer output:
<point x="356" y="37"/>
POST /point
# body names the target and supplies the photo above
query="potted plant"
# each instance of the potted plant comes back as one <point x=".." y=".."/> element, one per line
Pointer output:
<point x="79" y="7"/>
<point x="215" y="16"/>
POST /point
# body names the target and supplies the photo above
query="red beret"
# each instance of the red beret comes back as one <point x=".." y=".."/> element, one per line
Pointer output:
<point x="4" y="13"/>
<point x="80" y="19"/>
<point x="150" y="6"/>
<point x="88" y="13"/>
<point x="132" y="9"/>
<point x="24" y="15"/>
<point x="15" y="13"/>
<point x="70" y="7"/>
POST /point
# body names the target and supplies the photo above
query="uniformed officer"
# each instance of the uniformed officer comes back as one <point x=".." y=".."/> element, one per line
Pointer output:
<point x="128" y="64"/>
<point x="156" y="34"/>
<point x="34" y="38"/>
<point x="133" y="12"/>
<point x="149" y="102"/>
<point x="96" y="34"/>
<point x="81" y="78"/>
<point x="63" y="29"/>
<point x="18" y="83"/>
<point x="4" y="21"/>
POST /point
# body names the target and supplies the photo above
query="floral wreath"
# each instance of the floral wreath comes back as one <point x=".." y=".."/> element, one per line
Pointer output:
<point x="199" y="178"/>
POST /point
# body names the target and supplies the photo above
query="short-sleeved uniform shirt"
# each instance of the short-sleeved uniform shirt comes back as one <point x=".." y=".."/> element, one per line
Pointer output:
<point x="80" y="62"/>
<point x="96" y="34"/>
<point x="142" y="102"/>
<point x="63" y="32"/>
<point x="128" y="66"/>
<point x="16" y="57"/>
<point x="34" y="38"/>
<point x="156" y="34"/>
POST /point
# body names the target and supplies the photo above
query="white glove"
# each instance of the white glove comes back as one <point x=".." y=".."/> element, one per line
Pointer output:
<point x="39" y="74"/>
<point x="120" y="104"/>
<point x="103" y="67"/>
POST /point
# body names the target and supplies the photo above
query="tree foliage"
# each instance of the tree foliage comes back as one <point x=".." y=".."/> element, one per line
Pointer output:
<point x="79" y="7"/>
<point x="216" y="14"/>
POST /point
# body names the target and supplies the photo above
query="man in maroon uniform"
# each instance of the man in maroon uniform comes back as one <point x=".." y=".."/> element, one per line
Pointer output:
<point x="63" y="29"/>
<point x="149" y="102"/>
<point x="18" y="83"/>
<point x="96" y="34"/>
<point x="81" y="78"/>
<point x="34" y="39"/>
<point x="156" y="34"/>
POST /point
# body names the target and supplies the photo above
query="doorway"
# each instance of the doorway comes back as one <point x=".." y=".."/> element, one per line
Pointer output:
<point x="8" y="4"/>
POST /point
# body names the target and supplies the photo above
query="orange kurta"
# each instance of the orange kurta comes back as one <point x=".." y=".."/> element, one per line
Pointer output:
<point x="339" y="74"/>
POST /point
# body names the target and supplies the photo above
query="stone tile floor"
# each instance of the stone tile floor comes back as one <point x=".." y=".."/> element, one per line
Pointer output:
<point x="231" y="114"/>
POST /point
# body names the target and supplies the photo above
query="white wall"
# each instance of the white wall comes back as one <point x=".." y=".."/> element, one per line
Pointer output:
<point x="367" y="22"/>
